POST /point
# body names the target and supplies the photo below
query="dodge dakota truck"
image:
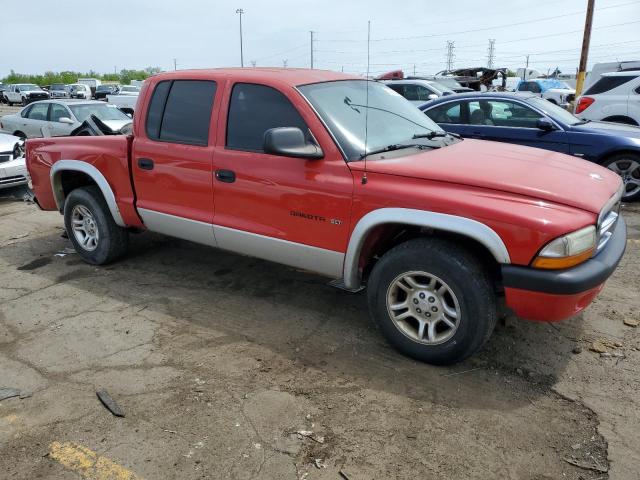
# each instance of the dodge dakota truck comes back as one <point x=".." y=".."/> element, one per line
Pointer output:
<point x="343" y="177"/>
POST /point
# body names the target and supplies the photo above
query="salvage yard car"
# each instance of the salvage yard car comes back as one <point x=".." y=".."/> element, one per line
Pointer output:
<point x="555" y="91"/>
<point x="343" y="177"/>
<point x="60" y="117"/>
<point x="531" y="121"/>
<point x="615" y="97"/>
<point x="13" y="171"/>
<point x="25" y="93"/>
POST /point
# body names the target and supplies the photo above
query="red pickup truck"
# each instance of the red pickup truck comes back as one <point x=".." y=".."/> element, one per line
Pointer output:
<point x="343" y="177"/>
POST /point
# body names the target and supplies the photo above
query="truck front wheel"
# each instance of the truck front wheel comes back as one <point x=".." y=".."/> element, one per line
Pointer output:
<point x="91" y="228"/>
<point x="432" y="300"/>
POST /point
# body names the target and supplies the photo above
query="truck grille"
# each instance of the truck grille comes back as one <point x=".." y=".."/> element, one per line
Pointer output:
<point x="38" y="96"/>
<point x="608" y="219"/>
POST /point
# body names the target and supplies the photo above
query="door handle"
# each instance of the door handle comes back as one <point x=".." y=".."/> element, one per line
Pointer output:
<point x="226" y="176"/>
<point x="145" y="163"/>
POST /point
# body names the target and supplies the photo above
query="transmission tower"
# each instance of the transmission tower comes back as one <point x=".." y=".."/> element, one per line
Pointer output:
<point x="450" y="55"/>
<point x="491" y="52"/>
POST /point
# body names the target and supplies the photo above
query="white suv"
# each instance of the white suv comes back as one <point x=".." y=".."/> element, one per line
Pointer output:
<point x="614" y="97"/>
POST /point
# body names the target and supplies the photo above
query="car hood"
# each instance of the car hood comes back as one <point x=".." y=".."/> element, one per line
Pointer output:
<point x="7" y="142"/>
<point x="532" y="172"/>
<point x="116" y="125"/>
<point x="608" y="128"/>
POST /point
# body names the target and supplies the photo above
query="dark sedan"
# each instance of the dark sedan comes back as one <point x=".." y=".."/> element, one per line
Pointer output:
<point x="105" y="89"/>
<point x="533" y="121"/>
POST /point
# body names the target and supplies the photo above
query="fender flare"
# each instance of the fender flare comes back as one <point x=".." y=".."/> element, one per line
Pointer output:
<point x="438" y="221"/>
<point x="75" y="165"/>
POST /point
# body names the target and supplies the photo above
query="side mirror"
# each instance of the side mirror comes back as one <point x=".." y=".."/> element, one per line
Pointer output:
<point x="432" y="96"/>
<point x="290" y="142"/>
<point x="545" y="124"/>
<point x="66" y="120"/>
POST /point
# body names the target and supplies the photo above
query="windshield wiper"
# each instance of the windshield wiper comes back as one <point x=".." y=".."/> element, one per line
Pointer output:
<point x="397" y="146"/>
<point x="434" y="134"/>
<point x="582" y="122"/>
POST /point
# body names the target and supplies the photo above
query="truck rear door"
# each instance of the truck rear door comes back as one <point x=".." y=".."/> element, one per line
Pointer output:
<point x="172" y="158"/>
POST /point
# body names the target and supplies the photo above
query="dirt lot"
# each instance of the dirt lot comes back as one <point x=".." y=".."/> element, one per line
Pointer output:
<point x="218" y="360"/>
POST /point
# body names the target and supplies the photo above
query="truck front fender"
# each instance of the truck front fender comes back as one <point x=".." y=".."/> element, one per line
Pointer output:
<point x="420" y="218"/>
<point x="95" y="174"/>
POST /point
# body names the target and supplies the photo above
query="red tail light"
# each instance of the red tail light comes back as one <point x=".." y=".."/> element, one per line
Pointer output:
<point x="583" y="104"/>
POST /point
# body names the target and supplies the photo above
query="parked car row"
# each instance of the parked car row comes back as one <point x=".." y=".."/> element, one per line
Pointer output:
<point x="25" y="93"/>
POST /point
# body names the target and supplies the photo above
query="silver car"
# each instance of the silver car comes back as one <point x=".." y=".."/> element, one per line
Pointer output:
<point x="58" y="118"/>
<point x="13" y="170"/>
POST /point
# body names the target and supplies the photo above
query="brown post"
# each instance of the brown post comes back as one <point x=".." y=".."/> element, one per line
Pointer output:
<point x="586" y="39"/>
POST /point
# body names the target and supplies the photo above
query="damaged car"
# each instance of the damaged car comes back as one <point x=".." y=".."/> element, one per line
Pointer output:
<point x="13" y="171"/>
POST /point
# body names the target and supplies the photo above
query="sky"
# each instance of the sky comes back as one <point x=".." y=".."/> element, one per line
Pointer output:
<point x="110" y="35"/>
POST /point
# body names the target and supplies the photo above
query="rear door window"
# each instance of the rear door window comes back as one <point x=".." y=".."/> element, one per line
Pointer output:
<point x="38" y="112"/>
<point x="447" y="113"/>
<point x="606" y="84"/>
<point x="180" y="111"/>
<point x="253" y="110"/>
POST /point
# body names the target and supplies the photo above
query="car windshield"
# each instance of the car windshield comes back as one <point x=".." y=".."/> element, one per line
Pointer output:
<point x="438" y="85"/>
<point x="28" y="86"/>
<point x="343" y="106"/>
<point x="57" y="86"/>
<point x="554" y="111"/>
<point x="103" y="112"/>
<point x="448" y="82"/>
<point x="103" y="88"/>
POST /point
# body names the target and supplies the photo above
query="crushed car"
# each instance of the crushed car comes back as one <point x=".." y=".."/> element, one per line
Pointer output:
<point x="13" y="171"/>
<point x="478" y="78"/>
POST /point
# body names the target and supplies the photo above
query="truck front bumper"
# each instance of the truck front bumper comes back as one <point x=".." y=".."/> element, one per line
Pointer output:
<point x="554" y="295"/>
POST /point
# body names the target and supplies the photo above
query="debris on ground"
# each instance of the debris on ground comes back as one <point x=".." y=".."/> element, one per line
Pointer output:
<point x="18" y="237"/>
<point x="6" y="392"/>
<point x="631" y="322"/>
<point x="577" y="349"/>
<point x="110" y="403"/>
<point x="319" y="463"/>
<point x="344" y="475"/>
<point x="309" y="434"/>
<point x="587" y="465"/>
<point x="66" y="251"/>
<point x="598" y="347"/>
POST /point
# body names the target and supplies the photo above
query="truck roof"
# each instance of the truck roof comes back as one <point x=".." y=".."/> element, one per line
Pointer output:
<point x="290" y="76"/>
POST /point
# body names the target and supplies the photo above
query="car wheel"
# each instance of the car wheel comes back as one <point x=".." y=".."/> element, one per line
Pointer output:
<point x="432" y="300"/>
<point x="91" y="228"/>
<point x="627" y="165"/>
<point x="621" y="119"/>
<point x="24" y="102"/>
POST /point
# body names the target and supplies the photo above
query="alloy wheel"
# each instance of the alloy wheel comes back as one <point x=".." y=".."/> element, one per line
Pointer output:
<point x="629" y="170"/>
<point x="85" y="228"/>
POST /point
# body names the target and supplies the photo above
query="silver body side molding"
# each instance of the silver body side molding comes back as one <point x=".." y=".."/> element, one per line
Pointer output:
<point x="438" y="221"/>
<point x="297" y="255"/>
<point x="179" y="227"/>
<point x="78" y="166"/>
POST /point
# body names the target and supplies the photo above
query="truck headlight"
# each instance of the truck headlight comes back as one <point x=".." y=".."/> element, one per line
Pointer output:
<point x="568" y="250"/>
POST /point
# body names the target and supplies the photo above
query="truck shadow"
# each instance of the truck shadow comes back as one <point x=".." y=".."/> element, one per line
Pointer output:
<point x="296" y="315"/>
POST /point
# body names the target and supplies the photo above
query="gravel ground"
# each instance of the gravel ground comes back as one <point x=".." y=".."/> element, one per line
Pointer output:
<point x="217" y="360"/>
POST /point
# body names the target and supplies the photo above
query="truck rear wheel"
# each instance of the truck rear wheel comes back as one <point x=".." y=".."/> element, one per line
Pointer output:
<point x="91" y="228"/>
<point x="432" y="300"/>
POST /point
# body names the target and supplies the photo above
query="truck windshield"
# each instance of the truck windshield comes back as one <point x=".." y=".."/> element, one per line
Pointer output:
<point x="103" y="112"/>
<point x="25" y="87"/>
<point x="343" y="106"/>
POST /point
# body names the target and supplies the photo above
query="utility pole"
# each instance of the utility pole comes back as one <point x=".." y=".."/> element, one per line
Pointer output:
<point x="311" y="32"/>
<point x="414" y="69"/>
<point x="253" y="63"/>
<point x="284" y="63"/>
<point x="526" y="68"/>
<point x="584" y="54"/>
<point x="175" y="64"/>
<point x="491" y="52"/>
<point x="450" y="55"/>
<point x="240" y="11"/>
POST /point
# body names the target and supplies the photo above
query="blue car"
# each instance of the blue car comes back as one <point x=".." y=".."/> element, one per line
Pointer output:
<point x="535" y="122"/>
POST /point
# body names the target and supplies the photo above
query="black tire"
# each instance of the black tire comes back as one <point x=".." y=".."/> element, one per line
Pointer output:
<point x="623" y="158"/>
<point x="112" y="240"/>
<point x="24" y="102"/>
<point x="19" y="134"/>
<point x="465" y="277"/>
<point x="9" y="103"/>
<point x="621" y="119"/>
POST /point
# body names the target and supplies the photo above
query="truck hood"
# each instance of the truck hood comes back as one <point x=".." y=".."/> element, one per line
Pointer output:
<point x="532" y="172"/>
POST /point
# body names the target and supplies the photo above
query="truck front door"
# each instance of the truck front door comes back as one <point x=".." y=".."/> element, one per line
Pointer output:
<point x="172" y="159"/>
<point x="289" y="210"/>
